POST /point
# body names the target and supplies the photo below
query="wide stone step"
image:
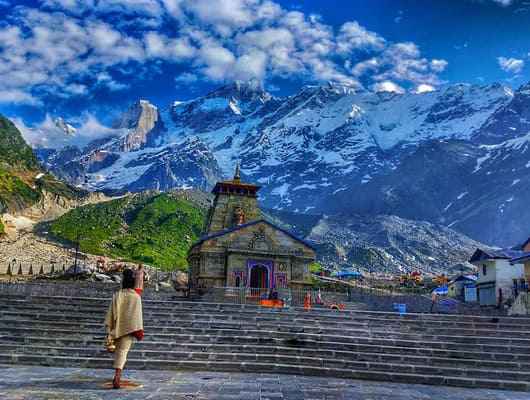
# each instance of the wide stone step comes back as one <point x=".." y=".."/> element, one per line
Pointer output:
<point x="449" y="319"/>
<point x="344" y="360"/>
<point x="255" y="367"/>
<point x="257" y="336"/>
<point x="315" y="314"/>
<point x="195" y="327"/>
<point x="283" y="346"/>
<point x="160" y="319"/>
<point x="471" y="351"/>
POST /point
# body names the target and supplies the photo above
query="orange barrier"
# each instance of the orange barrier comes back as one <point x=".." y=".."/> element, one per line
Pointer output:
<point x="271" y="303"/>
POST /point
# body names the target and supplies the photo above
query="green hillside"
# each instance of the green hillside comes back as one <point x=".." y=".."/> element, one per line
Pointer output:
<point x="19" y="169"/>
<point x="153" y="229"/>
<point x="14" y="151"/>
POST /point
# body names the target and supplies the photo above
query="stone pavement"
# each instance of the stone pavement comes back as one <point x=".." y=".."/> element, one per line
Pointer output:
<point x="46" y="383"/>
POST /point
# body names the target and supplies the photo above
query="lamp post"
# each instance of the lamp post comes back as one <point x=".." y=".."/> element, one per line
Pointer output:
<point x="76" y="253"/>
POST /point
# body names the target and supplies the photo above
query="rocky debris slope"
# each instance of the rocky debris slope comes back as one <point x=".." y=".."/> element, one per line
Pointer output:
<point x="382" y="243"/>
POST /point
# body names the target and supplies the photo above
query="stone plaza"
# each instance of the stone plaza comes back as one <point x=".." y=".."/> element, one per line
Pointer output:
<point x="46" y="383"/>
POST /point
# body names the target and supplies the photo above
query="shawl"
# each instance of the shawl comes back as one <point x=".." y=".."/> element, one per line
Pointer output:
<point x="124" y="316"/>
<point x="139" y="279"/>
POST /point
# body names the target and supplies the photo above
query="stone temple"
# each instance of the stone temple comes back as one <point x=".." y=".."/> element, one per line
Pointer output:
<point x="241" y="249"/>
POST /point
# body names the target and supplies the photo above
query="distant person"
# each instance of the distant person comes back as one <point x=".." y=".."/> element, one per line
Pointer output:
<point x="124" y="322"/>
<point x="139" y="279"/>
<point x="434" y="299"/>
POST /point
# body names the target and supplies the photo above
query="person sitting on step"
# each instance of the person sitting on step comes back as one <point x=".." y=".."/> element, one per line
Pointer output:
<point x="124" y="322"/>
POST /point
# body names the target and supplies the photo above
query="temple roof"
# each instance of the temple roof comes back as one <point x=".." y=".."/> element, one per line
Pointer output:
<point x="242" y="226"/>
<point x="235" y="186"/>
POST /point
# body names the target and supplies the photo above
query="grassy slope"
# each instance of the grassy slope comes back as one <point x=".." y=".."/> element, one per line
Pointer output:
<point x="155" y="229"/>
<point x="14" y="151"/>
<point x="18" y="169"/>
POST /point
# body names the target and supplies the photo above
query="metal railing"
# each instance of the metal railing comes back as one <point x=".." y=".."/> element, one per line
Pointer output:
<point x="289" y="296"/>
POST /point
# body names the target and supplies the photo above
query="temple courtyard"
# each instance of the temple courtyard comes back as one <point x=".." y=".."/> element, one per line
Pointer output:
<point x="47" y="383"/>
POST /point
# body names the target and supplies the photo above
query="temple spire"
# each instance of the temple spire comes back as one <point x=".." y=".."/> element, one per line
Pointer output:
<point x="237" y="174"/>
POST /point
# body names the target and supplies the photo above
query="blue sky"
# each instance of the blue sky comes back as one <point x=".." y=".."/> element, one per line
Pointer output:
<point x="88" y="59"/>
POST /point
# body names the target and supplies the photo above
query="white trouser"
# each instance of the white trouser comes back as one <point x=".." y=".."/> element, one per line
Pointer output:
<point x="123" y="345"/>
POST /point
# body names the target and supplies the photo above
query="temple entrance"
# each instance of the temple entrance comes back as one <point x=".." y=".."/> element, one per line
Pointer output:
<point x="259" y="277"/>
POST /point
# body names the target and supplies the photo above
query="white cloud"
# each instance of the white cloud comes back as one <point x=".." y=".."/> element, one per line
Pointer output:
<point x="68" y="47"/>
<point x="424" y="88"/>
<point x="387" y="86"/>
<point x="403" y="62"/>
<point x="16" y="96"/>
<point x="49" y="135"/>
<point x="355" y="37"/>
<point x="218" y="61"/>
<point x="438" y="65"/>
<point x="363" y="67"/>
<point x="186" y="78"/>
<point x="511" y="65"/>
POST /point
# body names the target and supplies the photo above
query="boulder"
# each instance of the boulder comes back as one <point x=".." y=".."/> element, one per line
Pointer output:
<point x="102" y="277"/>
<point x="79" y="271"/>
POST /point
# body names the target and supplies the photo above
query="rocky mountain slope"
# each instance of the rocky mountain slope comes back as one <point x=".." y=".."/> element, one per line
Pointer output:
<point x="382" y="243"/>
<point x="157" y="228"/>
<point x="29" y="194"/>
<point x="456" y="156"/>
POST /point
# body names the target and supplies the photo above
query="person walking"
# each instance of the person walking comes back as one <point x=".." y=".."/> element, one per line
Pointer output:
<point x="434" y="300"/>
<point x="124" y="322"/>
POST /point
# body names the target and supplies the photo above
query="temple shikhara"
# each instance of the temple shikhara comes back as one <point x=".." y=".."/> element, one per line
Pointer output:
<point x="241" y="249"/>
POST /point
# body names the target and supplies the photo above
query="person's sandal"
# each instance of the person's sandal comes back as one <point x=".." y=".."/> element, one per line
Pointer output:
<point x="117" y="378"/>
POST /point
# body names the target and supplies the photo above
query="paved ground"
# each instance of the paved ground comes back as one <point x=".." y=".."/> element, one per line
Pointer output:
<point x="43" y="383"/>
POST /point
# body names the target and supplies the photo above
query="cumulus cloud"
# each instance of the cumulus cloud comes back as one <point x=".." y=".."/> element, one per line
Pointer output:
<point x="50" y="134"/>
<point x="424" y="88"/>
<point x="438" y="65"/>
<point x="388" y="86"/>
<point x="511" y="65"/>
<point x="355" y="37"/>
<point x="67" y="47"/>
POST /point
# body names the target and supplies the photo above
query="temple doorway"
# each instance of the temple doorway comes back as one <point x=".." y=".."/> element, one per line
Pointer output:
<point x="259" y="277"/>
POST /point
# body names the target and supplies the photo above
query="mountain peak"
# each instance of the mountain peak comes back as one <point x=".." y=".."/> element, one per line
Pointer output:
<point x="143" y="121"/>
<point x="247" y="91"/>
<point x="65" y="127"/>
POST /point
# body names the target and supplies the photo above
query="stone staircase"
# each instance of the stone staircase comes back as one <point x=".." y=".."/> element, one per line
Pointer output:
<point x="455" y="350"/>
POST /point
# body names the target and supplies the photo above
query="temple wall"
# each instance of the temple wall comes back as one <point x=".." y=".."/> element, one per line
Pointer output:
<point x="222" y="216"/>
<point x="224" y="260"/>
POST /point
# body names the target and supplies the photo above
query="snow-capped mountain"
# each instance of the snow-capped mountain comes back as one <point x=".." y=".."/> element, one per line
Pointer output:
<point x="455" y="156"/>
<point x="65" y="127"/>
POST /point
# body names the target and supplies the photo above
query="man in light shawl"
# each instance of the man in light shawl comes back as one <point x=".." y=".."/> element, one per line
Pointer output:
<point x="124" y="322"/>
